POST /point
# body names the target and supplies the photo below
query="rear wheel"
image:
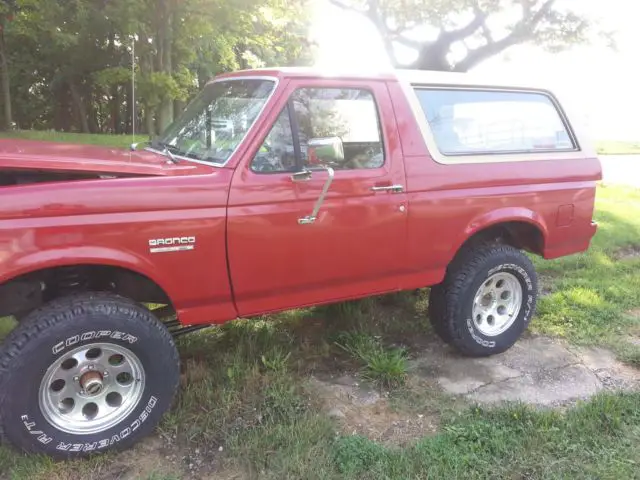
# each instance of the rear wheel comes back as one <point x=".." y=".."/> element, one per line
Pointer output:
<point x="84" y="374"/>
<point x="486" y="300"/>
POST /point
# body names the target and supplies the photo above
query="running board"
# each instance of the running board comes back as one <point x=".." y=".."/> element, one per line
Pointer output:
<point x="167" y="316"/>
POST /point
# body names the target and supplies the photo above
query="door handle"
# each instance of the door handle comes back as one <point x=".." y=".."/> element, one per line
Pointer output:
<point x="389" y="188"/>
<point x="302" y="176"/>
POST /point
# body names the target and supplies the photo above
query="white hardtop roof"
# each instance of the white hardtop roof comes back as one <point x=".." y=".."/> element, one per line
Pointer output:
<point x="427" y="77"/>
<point x="414" y="77"/>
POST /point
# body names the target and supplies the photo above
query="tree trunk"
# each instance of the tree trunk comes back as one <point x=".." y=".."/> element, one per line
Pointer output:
<point x="6" y="85"/>
<point x="115" y="109"/>
<point x="433" y="56"/>
<point x="62" y="113"/>
<point x="149" y="121"/>
<point x="178" y="106"/>
<point x="92" y="112"/>
<point x="81" y="111"/>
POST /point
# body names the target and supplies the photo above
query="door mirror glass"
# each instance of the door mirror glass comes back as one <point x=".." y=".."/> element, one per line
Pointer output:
<point x="325" y="151"/>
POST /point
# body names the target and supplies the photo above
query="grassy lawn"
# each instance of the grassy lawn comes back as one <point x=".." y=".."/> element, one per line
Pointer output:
<point x="120" y="141"/>
<point x="245" y="409"/>
<point x="618" y="148"/>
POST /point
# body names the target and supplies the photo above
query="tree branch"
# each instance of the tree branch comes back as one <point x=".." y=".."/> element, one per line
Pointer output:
<point x="477" y="22"/>
<point x="433" y="55"/>
<point x="522" y="30"/>
<point x="407" y="42"/>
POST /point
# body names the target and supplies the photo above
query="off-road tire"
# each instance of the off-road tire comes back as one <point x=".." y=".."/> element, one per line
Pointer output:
<point x="30" y="349"/>
<point x="451" y="302"/>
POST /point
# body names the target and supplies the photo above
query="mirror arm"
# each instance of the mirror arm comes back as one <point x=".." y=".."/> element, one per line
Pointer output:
<point x="316" y="208"/>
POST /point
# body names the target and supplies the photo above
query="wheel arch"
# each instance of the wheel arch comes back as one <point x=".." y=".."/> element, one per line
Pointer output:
<point x="520" y="228"/>
<point x="35" y="283"/>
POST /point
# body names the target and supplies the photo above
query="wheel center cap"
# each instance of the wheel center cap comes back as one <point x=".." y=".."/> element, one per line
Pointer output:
<point x="91" y="383"/>
<point x="487" y="300"/>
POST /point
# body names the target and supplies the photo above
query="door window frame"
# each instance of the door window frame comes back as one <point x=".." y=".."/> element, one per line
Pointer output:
<point x="290" y="90"/>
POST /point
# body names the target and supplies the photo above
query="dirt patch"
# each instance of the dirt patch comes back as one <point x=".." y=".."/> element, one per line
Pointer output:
<point x="627" y="253"/>
<point x="362" y="410"/>
<point x="158" y="457"/>
<point x="145" y="460"/>
<point x="545" y="282"/>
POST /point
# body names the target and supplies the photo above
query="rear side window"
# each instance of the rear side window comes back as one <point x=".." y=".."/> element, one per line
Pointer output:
<point x="477" y="122"/>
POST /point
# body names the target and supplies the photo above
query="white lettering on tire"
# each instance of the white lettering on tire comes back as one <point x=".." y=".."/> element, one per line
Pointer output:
<point x="517" y="268"/>
<point x="92" y="335"/>
<point x="474" y="335"/>
<point x="30" y="426"/>
<point x="100" y="444"/>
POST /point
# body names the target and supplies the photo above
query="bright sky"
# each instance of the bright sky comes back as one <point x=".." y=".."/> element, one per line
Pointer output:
<point x="604" y="84"/>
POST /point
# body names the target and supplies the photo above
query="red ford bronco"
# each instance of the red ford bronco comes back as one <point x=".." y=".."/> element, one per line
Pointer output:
<point x="275" y="189"/>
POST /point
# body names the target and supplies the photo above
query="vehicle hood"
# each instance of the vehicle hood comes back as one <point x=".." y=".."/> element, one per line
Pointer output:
<point x="64" y="157"/>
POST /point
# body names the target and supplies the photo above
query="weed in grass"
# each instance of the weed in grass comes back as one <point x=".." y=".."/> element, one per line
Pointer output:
<point x="276" y="361"/>
<point x="385" y="366"/>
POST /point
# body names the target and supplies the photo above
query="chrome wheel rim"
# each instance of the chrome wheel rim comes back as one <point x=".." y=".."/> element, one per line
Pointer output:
<point x="497" y="304"/>
<point x="91" y="388"/>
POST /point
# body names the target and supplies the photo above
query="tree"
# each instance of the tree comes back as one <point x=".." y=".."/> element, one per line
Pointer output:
<point x="459" y="34"/>
<point x="66" y="64"/>
<point x="7" y="11"/>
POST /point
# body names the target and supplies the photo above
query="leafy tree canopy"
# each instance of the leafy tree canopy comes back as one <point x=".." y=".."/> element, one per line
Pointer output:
<point x="67" y="63"/>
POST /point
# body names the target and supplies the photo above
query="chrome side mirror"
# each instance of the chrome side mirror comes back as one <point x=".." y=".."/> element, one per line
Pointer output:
<point x="325" y="150"/>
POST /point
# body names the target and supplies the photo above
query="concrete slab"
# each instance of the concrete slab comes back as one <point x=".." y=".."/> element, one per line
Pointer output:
<point x="547" y="388"/>
<point x="459" y="375"/>
<point x="596" y="358"/>
<point x="535" y="354"/>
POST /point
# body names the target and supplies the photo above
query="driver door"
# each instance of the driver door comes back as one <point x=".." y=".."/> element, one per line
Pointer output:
<point x="288" y="244"/>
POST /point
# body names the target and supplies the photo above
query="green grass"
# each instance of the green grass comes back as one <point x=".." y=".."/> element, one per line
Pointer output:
<point x="599" y="439"/>
<point x="120" y="141"/>
<point x="618" y="148"/>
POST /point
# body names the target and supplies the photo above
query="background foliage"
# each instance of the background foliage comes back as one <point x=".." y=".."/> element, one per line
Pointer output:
<point x="66" y="64"/>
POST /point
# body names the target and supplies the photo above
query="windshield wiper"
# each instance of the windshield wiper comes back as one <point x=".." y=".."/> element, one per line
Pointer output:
<point x="165" y="147"/>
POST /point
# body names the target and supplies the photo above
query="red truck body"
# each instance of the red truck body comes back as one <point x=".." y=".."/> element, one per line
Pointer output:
<point x="239" y="249"/>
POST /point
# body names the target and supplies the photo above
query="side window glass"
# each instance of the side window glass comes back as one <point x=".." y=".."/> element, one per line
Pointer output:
<point x="333" y="113"/>
<point x="276" y="154"/>
<point x="480" y="122"/>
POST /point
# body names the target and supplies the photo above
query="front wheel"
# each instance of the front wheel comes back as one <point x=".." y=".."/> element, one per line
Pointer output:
<point x="85" y="374"/>
<point x="486" y="300"/>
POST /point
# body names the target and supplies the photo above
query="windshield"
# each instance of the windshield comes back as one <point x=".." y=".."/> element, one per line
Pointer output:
<point x="217" y="120"/>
